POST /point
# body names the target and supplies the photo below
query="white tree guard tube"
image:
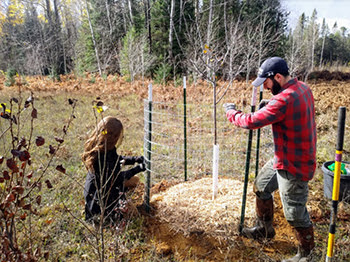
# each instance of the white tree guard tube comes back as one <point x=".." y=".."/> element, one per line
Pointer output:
<point x="150" y="92"/>
<point x="215" y="170"/>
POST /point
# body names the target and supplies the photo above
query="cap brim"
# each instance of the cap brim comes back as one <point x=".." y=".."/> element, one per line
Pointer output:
<point x="258" y="81"/>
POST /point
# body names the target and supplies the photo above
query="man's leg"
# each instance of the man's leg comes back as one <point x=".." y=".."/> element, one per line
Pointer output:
<point x="294" y="195"/>
<point x="264" y="185"/>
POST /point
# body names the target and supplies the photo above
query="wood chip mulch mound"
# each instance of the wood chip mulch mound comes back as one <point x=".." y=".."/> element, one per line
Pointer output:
<point x="188" y="208"/>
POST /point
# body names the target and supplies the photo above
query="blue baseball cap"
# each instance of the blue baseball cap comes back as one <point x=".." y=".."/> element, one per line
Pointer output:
<point x="270" y="67"/>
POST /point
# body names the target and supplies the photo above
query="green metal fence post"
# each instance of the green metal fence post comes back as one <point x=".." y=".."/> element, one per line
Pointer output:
<point x="258" y="137"/>
<point x="247" y="163"/>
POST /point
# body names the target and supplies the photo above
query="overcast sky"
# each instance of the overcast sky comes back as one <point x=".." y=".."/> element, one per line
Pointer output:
<point x="332" y="10"/>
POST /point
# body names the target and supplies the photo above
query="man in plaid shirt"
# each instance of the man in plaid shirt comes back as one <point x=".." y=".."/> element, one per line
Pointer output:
<point x="292" y="116"/>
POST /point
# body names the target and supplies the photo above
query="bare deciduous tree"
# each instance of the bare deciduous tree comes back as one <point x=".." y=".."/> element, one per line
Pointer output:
<point x="93" y="39"/>
<point x="135" y="56"/>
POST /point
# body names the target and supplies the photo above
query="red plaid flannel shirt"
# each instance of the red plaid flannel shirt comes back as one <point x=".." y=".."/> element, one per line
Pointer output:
<point x="292" y="115"/>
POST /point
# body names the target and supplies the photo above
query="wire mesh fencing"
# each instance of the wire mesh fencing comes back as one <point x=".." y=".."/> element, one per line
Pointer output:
<point x="179" y="138"/>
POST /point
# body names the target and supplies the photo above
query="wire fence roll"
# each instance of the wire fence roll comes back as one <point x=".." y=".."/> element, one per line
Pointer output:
<point x="165" y="150"/>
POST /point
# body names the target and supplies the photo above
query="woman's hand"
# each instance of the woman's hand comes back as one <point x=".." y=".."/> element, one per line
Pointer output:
<point x="140" y="159"/>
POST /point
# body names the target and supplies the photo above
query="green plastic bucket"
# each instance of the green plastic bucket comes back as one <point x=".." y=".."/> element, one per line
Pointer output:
<point x="328" y="177"/>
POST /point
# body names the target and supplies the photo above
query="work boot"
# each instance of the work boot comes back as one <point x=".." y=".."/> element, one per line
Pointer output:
<point x="263" y="227"/>
<point x="305" y="237"/>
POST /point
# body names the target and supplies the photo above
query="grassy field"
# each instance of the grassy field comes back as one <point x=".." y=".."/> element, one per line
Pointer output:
<point x="52" y="228"/>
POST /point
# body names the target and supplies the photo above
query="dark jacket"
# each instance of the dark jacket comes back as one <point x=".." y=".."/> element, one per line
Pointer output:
<point x="106" y="191"/>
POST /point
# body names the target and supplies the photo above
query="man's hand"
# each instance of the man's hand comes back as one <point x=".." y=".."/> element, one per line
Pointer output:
<point x="263" y="103"/>
<point x="229" y="106"/>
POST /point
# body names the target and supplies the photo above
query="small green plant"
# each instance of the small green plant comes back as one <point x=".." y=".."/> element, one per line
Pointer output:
<point x="92" y="80"/>
<point x="178" y="82"/>
<point x="115" y="78"/>
<point x="104" y="77"/>
<point x="10" y="77"/>
<point x="54" y="76"/>
<point x="163" y="73"/>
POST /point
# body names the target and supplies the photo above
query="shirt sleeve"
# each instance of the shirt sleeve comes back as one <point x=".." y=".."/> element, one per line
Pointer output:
<point x="128" y="160"/>
<point x="273" y="112"/>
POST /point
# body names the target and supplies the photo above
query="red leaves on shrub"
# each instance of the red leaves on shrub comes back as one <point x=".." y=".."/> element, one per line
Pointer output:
<point x="2" y="180"/>
<point x="10" y="198"/>
<point x="30" y="175"/>
<point x="18" y="189"/>
<point x="15" y="152"/>
<point x="28" y="101"/>
<point x="21" y="202"/>
<point x="27" y="207"/>
<point x="61" y="169"/>
<point x="71" y="101"/>
<point x="34" y="113"/>
<point x="14" y="99"/>
<point x="49" y="221"/>
<point x="22" y="155"/>
<point x="21" y="143"/>
<point x="39" y="141"/>
<point x="38" y="200"/>
<point x="11" y="164"/>
<point x="23" y="216"/>
<point x="52" y="150"/>
<point x="48" y="184"/>
<point x="59" y="140"/>
<point x="1" y="159"/>
<point x="6" y="175"/>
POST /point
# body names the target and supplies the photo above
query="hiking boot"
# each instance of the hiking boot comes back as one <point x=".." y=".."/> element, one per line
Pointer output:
<point x="263" y="227"/>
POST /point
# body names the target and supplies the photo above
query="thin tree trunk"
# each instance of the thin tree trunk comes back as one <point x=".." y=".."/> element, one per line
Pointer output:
<point x="210" y="19"/>
<point x="181" y="14"/>
<point x="109" y="17"/>
<point x="148" y="23"/>
<point x="225" y="22"/>
<point x="60" y="52"/>
<point x="322" y="49"/>
<point x="93" y="39"/>
<point x="130" y="13"/>
<point x="124" y="19"/>
<point x="171" y="27"/>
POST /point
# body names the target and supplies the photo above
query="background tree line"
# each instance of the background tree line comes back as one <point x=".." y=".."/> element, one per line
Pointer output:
<point x="162" y="39"/>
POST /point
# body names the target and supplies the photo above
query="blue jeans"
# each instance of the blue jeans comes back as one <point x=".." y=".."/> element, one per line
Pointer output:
<point x="293" y="192"/>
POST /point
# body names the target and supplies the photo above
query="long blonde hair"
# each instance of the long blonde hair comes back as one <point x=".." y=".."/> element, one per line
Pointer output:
<point x="107" y="135"/>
